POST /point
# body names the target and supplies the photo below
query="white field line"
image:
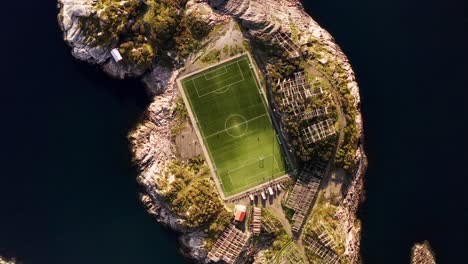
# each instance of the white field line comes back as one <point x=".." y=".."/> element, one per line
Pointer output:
<point x="248" y="164"/>
<point x="215" y="91"/>
<point x="221" y="88"/>
<point x="274" y="160"/>
<point x="224" y="130"/>
<point x="212" y="77"/>
<point x="256" y="175"/>
<point x="247" y="185"/>
<point x="276" y="163"/>
<point x="241" y="69"/>
<point x="253" y="184"/>
<point x="186" y="79"/>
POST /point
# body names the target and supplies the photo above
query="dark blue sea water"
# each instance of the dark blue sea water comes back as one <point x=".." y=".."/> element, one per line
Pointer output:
<point x="68" y="192"/>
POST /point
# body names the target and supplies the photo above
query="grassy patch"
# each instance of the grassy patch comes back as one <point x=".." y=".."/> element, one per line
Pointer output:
<point x="190" y="192"/>
<point x="335" y="72"/>
<point x="274" y="231"/>
<point x="226" y="49"/>
<point x="294" y="32"/>
<point x="211" y="57"/>
<point x="325" y="214"/>
<point x="236" y="49"/>
<point x="180" y="117"/>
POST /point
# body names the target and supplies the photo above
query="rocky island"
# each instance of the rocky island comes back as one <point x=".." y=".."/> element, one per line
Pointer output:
<point x="283" y="190"/>
<point x="422" y="254"/>
<point x="6" y="261"/>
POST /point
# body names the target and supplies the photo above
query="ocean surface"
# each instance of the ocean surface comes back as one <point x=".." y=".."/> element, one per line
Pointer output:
<point x="67" y="188"/>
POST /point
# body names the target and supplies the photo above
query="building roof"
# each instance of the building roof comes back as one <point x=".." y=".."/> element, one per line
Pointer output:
<point x="116" y="55"/>
<point x="239" y="212"/>
<point x="240" y="216"/>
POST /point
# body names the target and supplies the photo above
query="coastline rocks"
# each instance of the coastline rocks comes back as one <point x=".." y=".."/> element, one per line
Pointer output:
<point x="256" y="16"/>
<point x="350" y="226"/>
<point x="121" y="70"/>
<point x="204" y="11"/>
<point x="70" y="13"/>
<point x="193" y="245"/>
<point x="151" y="146"/>
<point x="157" y="80"/>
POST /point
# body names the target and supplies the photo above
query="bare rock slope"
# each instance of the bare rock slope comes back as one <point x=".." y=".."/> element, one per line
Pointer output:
<point x="70" y="12"/>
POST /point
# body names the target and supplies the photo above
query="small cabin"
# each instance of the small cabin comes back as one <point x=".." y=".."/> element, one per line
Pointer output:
<point x="116" y="55"/>
<point x="239" y="212"/>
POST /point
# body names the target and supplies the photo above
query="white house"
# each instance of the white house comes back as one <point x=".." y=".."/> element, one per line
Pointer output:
<point x="116" y="55"/>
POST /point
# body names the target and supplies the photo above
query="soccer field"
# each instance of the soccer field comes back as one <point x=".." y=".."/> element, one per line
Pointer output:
<point x="236" y="128"/>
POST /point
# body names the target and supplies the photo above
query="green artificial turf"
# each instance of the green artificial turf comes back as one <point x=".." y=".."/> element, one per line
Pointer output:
<point x="236" y="127"/>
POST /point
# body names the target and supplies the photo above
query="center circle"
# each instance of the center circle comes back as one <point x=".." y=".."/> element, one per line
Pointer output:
<point x="236" y="125"/>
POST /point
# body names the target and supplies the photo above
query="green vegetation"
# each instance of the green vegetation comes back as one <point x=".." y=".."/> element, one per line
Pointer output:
<point x="270" y="223"/>
<point x="325" y="213"/>
<point x="335" y="73"/>
<point x="180" y="117"/>
<point x="291" y="254"/>
<point x="346" y="155"/>
<point x="246" y="45"/>
<point x="288" y="212"/>
<point x="234" y="50"/>
<point x="140" y="55"/>
<point x="226" y="50"/>
<point x="320" y="151"/>
<point x="190" y="192"/>
<point x="192" y="31"/>
<point x="283" y="67"/>
<point x="235" y="125"/>
<point x="276" y="236"/>
<point x="217" y="227"/>
<point x="113" y="21"/>
<point x="211" y="57"/>
<point x="142" y="30"/>
<point x="294" y="32"/>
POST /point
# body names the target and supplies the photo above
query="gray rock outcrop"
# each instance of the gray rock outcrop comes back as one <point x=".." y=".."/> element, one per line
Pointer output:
<point x="69" y="21"/>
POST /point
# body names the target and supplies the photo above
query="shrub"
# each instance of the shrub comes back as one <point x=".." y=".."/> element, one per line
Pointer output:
<point x="212" y="56"/>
